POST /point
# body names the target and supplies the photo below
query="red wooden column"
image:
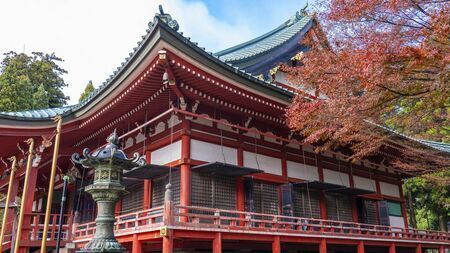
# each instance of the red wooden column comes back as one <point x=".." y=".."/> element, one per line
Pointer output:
<point x="217" y="243"/>
<point x="322" y="201"/>
<point x="29" y="206"/>
<point x="392" y="248"/>
<point x="360" y="247"/>
<point x="355" y="217"/>
<point x="442" y="249"/>
<point x="167" y="246"/>
<point x="137" y="245"/>
<point x="284" y="170"/>
<point x="276" y="244"/>
<point x="147" y="201"/>
<point x="323" y="246"/>
<point x="240" y="191"/>
<point x="419" y="248"/>
<point x="185" y="169"/>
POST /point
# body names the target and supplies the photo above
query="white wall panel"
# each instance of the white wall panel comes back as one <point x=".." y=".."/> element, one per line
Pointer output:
<point x="268" y="164"/>
<point x="336" y="177"/>
<point x="396" y="221"/>
<point x="302" y="171"/>
<point x="209" y="152"/>
<point x="365" y="183"/>
<point x="390" y="189"/>
<point x="166" y="154"/>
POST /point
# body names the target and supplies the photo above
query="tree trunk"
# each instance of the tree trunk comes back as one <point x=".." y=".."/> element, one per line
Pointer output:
<point x="442" y="220"/>
<point x="412" y="215"/>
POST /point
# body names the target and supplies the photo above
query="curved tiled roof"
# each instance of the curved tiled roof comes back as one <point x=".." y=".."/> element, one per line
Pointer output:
<point x="46" y="114"/>
<point x="268" y="41"/>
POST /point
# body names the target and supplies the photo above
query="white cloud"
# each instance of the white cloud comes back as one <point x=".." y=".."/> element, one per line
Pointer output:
<point x="94" y="37"/>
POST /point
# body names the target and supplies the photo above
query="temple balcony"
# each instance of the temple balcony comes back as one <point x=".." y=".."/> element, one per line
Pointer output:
<point x="186" y="221"/>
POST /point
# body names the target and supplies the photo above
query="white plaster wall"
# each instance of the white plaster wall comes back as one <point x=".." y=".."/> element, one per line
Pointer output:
<point x="203" y="121"/>
<point x="365" y="183"/>
<point x="209" y="152"/>
<point x="266" y="163"/>
<point x="396" y="221"/>
<point x="166" y="154"/>
<point x="302" y="171"/>
<point x="336" y="177"/>
<point x="389" y="189"/>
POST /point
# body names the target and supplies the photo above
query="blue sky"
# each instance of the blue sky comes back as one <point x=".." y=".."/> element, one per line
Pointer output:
<point x="93" y="37"/>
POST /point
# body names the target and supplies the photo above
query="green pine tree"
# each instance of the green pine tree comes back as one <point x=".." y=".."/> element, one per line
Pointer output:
<point x="21" y="76"/>
<point x="40" y="98"/>
<point x="87" y="91"/>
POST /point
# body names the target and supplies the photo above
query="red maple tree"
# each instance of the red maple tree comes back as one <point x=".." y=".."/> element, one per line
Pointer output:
<point x="381" y="62"/>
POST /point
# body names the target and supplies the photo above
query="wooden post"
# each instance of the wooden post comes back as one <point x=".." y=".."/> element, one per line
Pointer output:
<point x="276" y="244"/>
<point x="360" y="247"/>
<point x="137" y="245"/>
<point x="419" y="248"/>
<point x="185" y="168"/>
<point x="392" y="248"/>
<point x="441" y="249"/>
<point x="240" y="190"/>
<point x="323" y="246"/>
<point x="322" y="201"/>
<point x="217" y="243"/>
<point x="51" y="183"/>
<point x="167" y="246"/>
<point x="8" y="200"/>
<point x="147" y="201"/>
<point x="25" y="193"/>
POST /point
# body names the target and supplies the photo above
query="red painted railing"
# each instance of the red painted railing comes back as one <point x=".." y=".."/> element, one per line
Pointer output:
<point x="230" y="220"/>
<point x="146" y="219"/>
<point x="235" y="220"/>
<point x="36" y="228"/>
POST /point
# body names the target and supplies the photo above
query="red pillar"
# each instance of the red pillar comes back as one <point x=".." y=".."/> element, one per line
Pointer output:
<point x="419" y="248"/>
<point x="185" y="168"/>
<point x="217" y="243"/>
<point x="403" y="205"/>
<point x="322" y="201"/>
<point x="137" y="245"/>
<point x="240" y="191"/>
<point x="360" y="247"/>
<point x="276" y="244"/>
<point x="392" y="248"/>
<point x="147" y="201"/>
<point x="442" y="249"/>
<point x="29" y="206"/>
<point x="284" y="171"/>
<point x="323" y="246"/>
<point x="167" y="245"/>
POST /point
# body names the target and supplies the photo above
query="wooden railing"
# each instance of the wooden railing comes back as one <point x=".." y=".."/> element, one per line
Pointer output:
<point x="235" y="220"/>
<point x="36" y="228"/>
<point x="230" y="220"/>
<point x="146" y="219"/>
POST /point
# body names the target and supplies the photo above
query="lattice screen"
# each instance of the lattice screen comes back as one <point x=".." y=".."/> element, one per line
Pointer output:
<point x="265" y="198"/>
<point x="159" y="188"/>
<point x="215" y="191"/>
<point x="305" y="204"/>
<point x="339" y="207"/>
<point x="132" y="201"/>
<point x="371" y="211"/>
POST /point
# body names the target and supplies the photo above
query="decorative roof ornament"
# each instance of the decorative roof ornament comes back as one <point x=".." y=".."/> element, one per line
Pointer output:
<point x="298" y="15"/>
<point x="166" y="18"/>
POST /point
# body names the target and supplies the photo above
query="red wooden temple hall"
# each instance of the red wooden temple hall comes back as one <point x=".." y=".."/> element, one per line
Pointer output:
<point x="212" y="124"/>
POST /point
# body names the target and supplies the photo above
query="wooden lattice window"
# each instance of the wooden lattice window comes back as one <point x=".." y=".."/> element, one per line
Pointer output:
<point x="216" y="191"/>
<point x="132" y="201"/>
<point x="265" y="198"/>
<point x="339" y="207"/>
<point x="306" y="203"/>
<point x="159" y="188"/>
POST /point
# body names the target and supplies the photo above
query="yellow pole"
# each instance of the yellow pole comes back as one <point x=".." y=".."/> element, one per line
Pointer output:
<point x="8" y="199"/>
<point x="58" y="120"/>
<point x="24" y="193"/>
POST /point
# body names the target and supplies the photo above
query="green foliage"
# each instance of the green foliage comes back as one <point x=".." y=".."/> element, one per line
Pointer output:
<point x="24" y="78"/>
<point x="431" y="199"/>
<point x="87" y="91"/>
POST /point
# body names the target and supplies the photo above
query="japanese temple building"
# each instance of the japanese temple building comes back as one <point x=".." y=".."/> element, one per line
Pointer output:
<point x="212" y="125"/>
